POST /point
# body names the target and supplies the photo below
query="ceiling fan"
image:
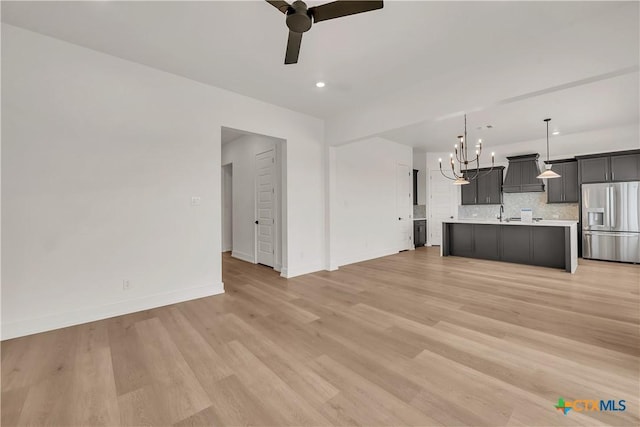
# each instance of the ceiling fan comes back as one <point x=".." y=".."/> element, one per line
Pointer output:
<point x="299" y="18"/>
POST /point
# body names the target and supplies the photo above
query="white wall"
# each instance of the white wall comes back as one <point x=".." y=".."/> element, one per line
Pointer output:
<point x="101" y="157"/>
<point x="241" y="153"/>
<point x="227" y="207"/>
<point x="365" y="221"/>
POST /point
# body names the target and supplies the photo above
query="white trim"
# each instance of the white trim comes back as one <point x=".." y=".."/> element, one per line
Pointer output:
<point x="243" y="256"/>
<point x="91" y="314"/>
<point x="288" y="273"/>
<point x="366" y="256"/>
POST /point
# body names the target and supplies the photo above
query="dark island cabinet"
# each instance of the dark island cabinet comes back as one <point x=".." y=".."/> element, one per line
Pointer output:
<point x="546" y="246"/>
<point x="475" y="241"/>
<point x="566" y="188"/>
<point x="610" y="167"/>
<point x="489" y="235"/>
<point x="485" y="189"/>
<point x="516" y="244"/>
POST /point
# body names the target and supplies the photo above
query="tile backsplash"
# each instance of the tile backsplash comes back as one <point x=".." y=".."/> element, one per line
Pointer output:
<point x="419" y="211"/>
<point x="513" y="202"/>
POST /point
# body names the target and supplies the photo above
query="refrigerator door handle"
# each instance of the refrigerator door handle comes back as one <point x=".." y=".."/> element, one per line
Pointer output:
<point x="612" y="207"/>
<point x="607" y="207"/>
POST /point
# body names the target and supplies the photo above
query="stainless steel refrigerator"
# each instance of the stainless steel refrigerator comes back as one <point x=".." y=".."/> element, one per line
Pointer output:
<point x="611" y="221"/>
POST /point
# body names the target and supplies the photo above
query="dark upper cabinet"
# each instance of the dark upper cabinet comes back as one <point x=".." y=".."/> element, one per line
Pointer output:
<point x="485" y="189"/>
<point x="564" y="189"/>
<point x="610" y="167"/>
<point x="594" y="170"/>
<point x="571" y="184"/>
<point x="625" y="167"/>
<point x="469" y="191"/>
<point x="490" y="187"/>
<point x="415" y="186"/>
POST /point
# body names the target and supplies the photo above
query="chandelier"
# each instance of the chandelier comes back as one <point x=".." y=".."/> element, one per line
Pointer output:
<point x="465" y="163"/>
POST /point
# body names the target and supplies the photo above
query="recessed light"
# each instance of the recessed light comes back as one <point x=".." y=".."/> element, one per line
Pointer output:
<point x="555" y="132"/>
<point x="320" y="84"/>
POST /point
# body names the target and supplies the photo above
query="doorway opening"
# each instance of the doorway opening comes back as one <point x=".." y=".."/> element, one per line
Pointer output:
<point x="253" y="198"/>
<point x="443" y="202"/>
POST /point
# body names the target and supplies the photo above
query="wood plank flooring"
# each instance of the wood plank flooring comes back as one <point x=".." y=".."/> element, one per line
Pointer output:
<point x="409" y="339"/>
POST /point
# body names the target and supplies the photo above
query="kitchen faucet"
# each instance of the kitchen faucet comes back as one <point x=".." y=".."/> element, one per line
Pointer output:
<point x="501" y="212"/>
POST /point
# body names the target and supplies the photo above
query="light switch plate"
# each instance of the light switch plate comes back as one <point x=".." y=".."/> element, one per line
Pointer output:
<point x="196" y="201"/>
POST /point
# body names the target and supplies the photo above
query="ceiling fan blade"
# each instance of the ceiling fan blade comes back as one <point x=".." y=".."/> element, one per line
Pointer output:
<point x="338" y="9"/>
<point x="293" y="48"/>
<point x="281" y="5"/>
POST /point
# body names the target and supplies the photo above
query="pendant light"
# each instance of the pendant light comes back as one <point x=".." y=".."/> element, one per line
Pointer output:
<point x="548" y="173"/>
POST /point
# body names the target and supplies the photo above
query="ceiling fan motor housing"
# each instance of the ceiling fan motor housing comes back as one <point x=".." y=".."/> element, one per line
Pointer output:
<point x="298" y="17"/>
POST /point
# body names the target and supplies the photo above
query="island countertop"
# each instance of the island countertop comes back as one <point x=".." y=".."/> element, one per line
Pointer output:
<point x="544" y="222"/>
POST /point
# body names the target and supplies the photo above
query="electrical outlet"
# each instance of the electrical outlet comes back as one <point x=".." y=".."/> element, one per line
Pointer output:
<point x="126" y="285"/>
<point x="196" y="201"/>
<point x="474" y="215"/>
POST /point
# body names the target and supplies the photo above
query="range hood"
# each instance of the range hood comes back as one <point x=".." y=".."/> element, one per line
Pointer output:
<point x="522" y="175"/>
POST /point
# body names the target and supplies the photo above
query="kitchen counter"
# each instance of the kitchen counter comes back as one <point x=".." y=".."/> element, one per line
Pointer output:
<point x="544" y="222"/>
<point x="547" y="243"/>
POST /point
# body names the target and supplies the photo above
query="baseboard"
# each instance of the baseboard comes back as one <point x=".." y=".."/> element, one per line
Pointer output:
<point x="366" y="256"/>
<point x="243" y="256"/>
<point x="300" y="270"/>
<point x="91" y="314"/>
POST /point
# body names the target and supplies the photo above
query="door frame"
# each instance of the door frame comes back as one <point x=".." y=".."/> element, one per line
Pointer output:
<point x="409" y="212"/>
<point x="223" y="216"/>
<point x="280" y="230"/>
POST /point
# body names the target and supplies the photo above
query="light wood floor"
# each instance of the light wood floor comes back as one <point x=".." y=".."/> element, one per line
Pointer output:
<point x="410" y="339"/>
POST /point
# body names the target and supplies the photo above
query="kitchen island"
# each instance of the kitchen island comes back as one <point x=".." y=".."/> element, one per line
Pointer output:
<point x="547" y="243"/>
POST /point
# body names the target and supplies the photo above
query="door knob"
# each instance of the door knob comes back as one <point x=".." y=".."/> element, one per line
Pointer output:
<point x="399" y="219"/>
<point x="256" y="222"/>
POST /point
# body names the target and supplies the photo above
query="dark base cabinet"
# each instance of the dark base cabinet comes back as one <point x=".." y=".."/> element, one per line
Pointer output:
<point x="489" y="235"/>
<point x="420" y="232"/>
<point x="515" y="243"/>
<point x="521" y="244"/>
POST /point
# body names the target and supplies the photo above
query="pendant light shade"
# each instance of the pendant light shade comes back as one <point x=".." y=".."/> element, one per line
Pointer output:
<point x="548" y="173"/>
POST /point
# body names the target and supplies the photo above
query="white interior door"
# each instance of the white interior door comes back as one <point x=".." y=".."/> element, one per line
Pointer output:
<point x="404" y="205"/>
<point x="265" y="207"/>
<point x="443" y="202"/>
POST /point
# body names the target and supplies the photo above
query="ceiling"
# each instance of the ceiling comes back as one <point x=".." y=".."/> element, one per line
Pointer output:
<point x="608" y="102"/>
<point x="364" y="59"/>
